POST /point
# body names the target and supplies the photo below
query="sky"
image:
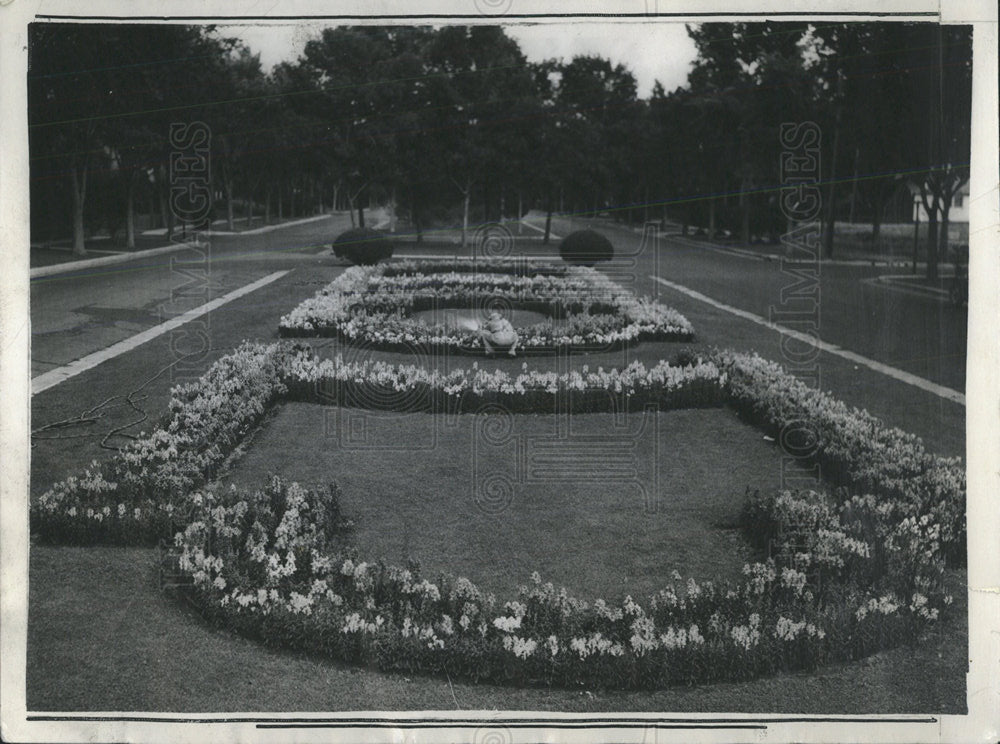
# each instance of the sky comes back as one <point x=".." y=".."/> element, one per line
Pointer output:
<point x="652" y="51"/>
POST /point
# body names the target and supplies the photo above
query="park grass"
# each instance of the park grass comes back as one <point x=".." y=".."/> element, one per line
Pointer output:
<point x="409" y="483"/>
<point x="102" y="637"/>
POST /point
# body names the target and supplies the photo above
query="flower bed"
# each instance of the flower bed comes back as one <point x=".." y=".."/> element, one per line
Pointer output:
<point x="134" y="497"/>
<point x="375" y="304"/>
<point x="268" y="565"/>
<point x="850" y="572"/>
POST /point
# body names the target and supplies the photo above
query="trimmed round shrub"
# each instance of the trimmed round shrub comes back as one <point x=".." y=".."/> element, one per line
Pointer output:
<point x="586" y="247"/>
<point x="362" y="245"/>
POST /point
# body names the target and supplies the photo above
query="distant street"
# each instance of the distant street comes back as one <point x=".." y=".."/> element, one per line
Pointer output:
<point x="922" y="335"/>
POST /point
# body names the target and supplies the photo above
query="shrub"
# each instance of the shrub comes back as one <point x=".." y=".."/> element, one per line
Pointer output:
<point x="362" y="245"/>
<point x="586" y="247"/>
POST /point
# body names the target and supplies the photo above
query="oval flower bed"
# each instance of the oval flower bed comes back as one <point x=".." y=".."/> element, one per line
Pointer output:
<point x="375" y="305"/>
<point x="850" y="572"/>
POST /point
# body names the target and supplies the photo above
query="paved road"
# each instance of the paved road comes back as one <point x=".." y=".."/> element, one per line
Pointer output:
<point x="922" y="335"/>
<point x="78" y="313"/>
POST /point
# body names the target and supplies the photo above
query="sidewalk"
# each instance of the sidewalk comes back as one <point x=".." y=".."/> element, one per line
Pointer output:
<point x="673" y="232"/>
<point x="254" y="231"/>
<point x="776" y="255"/>
<point x="67" y="267"/>
<point x="914" y="284"/>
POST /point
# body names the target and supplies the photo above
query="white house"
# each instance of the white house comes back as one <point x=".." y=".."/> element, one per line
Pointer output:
<point x="959" y="211"/>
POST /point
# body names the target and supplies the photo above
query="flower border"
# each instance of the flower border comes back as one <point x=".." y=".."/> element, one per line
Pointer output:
<point x="849" y="574"/>
<point x="371" y="304"/>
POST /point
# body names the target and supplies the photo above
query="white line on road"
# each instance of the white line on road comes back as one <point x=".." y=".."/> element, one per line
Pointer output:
<point x="54" y="376"/>
<point x="885" y="369"/>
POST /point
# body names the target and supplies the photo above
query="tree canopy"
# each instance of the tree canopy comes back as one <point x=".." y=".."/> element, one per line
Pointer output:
<point x="454" y="125"/>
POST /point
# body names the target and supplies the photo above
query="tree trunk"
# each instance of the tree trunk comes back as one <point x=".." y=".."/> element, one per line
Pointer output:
<point x="249" y="211"/>
<point x="267" y="206"/>
<point x="336" y="190"/>
<point x="877" y="207"/>
<point x="932" y="246"/>
<point x="161" y="192"/>
<point x="854" y="184"/>
<point x="229" y="203"/>
<point x="520" y="212"/>
<point x="79" y="188"/>
<point x="281" y="205"/>
<point x="465" y="214"/>
<point x="350" y="208"/>
<point x="744" y="205"/>
<point x="931" y="206"/>
<point x="548" y="221"/>
<point x="130" y="212"/>
<point x="361" y="213"/>
<point x="831" y="215"/>
<point x="711" y="219"/>
<point x="943" y="231"/>
<point x="829" y="227"/>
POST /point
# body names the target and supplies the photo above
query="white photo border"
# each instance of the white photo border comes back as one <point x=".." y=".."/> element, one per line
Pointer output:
<point x="982" y="723"/>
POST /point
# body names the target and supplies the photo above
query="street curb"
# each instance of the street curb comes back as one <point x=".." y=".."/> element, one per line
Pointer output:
<point x="743" y="252"/>
<point x="894" y="281"/>
<point x="268" y="228"/>
<point x="90" y="263"/>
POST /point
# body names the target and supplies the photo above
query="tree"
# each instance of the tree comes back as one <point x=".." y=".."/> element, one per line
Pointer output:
<point x="480" y="83"/>
<point x="905" y="96"/>
<point x="67" y="101"/>
<point x="748" y="79"/>
<point x="101" y="99"/>
<point x="947" y="106"/>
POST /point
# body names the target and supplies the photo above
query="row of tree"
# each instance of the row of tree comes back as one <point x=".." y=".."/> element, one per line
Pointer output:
<point x="455" y="123"/>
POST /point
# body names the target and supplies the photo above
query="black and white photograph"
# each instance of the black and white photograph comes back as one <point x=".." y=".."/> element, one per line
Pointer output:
<point x="486" y="372"/>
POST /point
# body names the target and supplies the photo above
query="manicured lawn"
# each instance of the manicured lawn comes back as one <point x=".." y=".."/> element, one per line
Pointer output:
<point x="102" y="637"/>
<point x="576" y="516"/>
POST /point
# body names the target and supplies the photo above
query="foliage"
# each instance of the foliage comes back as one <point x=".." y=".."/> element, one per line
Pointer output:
<point x="586" y="248"/>
<point x="362" y="246"/>
<point x="419" y="116"/>
<point x="854" y="449"/>
<point x="135" y="497"/>
<point x="268" y="565"/>
<point x="374" y="305"/>
<point x="847" y="573"/>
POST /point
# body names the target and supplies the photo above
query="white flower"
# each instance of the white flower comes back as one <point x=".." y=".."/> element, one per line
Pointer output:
<point x="507" y="624"/>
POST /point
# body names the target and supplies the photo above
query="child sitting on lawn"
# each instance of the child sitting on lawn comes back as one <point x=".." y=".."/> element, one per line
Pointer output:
<point x="500" y="333"/>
